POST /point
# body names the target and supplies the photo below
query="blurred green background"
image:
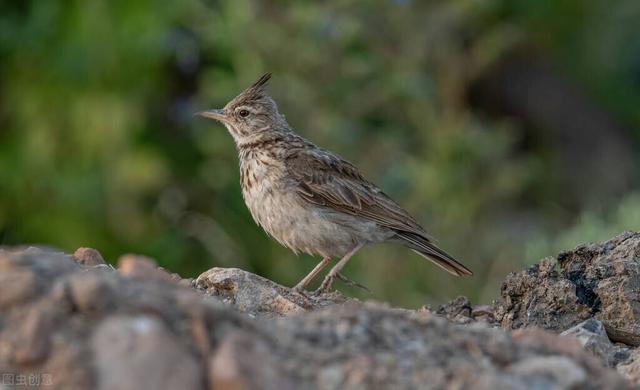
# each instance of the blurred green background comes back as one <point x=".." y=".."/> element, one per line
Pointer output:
<point x="509" y="128"/>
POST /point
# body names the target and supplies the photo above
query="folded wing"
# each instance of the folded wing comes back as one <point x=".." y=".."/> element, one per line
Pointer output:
<point x="324" y="179"/>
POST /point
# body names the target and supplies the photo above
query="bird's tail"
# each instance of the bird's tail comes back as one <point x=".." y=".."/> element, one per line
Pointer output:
<point x="427" y="249"/>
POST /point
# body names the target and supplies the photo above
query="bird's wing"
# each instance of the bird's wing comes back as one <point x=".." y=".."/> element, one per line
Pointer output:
<point x="324" y="179"/>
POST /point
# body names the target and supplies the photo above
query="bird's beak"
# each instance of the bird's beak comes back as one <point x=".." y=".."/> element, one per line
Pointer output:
<point x="213" y="114"/>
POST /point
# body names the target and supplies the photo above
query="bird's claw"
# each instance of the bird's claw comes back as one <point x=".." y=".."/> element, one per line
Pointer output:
<point x="300" y="290"/>
<point x="327" y="283"/>
<point x="352" y="283"/>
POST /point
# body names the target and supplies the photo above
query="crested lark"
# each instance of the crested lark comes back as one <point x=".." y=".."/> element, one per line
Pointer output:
<point x="310" y="199"/>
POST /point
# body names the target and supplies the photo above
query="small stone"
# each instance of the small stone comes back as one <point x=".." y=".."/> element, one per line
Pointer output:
<point x="631" y="368"/>
<point x="44" y="262"/>
<point x="186" y="282"/>
<point x="482" y="311"/>
<point x="251" y="293"/>
<point x="593" y="337"/>
<point x="32" y="343"/>
<point x="456" y="310"/>
<point x="92" y="291"/>
<point x="243" y="361"/>
<point x="17" y="286"/>
<point x="620" y="354"/>
<point x="551" y="372"/>
<point x="139" y="352"/>
<point x="88" y="257"/>
<point x="142" y="267"/>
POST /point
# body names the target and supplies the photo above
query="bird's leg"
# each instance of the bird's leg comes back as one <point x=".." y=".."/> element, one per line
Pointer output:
<point x="333" y="274"/>
<point x="304" y="282"/>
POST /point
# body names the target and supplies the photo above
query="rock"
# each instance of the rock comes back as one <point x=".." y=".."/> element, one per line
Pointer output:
<point x="458" y="310"/>
<point x="551" y="372"/>
<point x="142" y="267"/>
<point x="593" y="337"/>
<point x="243" y="361"/>
<point x="89" y="326"/>
<point x="23" y="273"/>
<point x="372" y="346"/>
<point x="32" y="343"/>
<point x="631" y="368"/>
<point x="188" y="282"/>
<point x="483" y="313"/>
<point x="138" y="351"/>
<point x="540" y="296"/>
<point x="568" y="346"/>
<point x="68" y="365"/>
<point x="88" y="257"/>
<point x="255" y="295"/>
<point x="92" y="292"/>
<point x="44" y="262"/>
<point x="461" y="311"/>
<point x="17" y="286"/>
<point x="27" y="337"/>
<point x="598" y="281"/>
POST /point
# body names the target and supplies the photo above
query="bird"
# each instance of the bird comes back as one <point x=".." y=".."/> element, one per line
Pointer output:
<point x="310" y="199"/>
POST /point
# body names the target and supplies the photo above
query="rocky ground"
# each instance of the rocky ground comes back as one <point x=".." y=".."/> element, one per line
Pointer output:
<point x="74" y="322"/>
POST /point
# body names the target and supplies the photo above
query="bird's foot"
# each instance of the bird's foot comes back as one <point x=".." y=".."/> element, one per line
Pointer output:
<point x="352" y="283"/>
<point x="300" y="289"/>
<point x="326" y="285"/>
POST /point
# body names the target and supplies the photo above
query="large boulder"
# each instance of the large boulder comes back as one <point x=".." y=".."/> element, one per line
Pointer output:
<point x="599" y="281"/>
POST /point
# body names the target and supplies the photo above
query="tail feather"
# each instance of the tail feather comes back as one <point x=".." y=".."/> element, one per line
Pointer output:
<point x="425" y="248"/>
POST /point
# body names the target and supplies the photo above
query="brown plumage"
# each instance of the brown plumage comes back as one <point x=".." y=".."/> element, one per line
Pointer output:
<point x="310" y="199"/>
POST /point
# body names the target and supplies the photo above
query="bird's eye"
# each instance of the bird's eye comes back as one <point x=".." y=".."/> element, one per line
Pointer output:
<point x="244" y="113"/>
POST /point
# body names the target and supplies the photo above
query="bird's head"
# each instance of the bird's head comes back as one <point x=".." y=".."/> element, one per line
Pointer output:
<point x="251" y="113"/>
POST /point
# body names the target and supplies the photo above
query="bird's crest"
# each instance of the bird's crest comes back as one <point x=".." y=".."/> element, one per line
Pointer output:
<point x="256" y="91"/>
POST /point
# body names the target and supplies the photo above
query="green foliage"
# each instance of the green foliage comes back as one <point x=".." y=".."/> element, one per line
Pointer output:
<point x="591" y="226"/>
<point x="98" y="145"/>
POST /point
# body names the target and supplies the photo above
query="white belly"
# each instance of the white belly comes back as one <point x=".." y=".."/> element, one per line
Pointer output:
<point x="304" y="229"/>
